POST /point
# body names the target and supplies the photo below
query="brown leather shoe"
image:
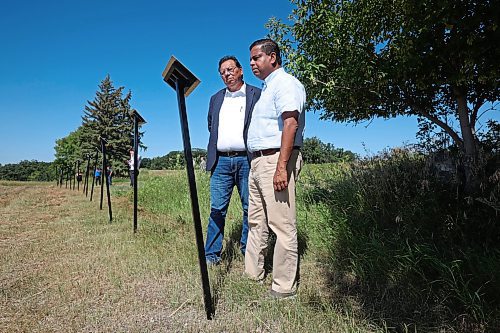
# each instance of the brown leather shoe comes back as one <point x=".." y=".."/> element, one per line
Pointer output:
<point x="277" y="295"/>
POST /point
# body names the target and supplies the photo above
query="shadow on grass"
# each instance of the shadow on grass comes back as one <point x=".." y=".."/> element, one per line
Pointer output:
<point x="228" y="255"/>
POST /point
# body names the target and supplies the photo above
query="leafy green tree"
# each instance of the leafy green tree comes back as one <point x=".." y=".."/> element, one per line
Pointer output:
<point x="315" y="151"/>
<point x="146" y="163"/>
<point x="175" y="160"/>
<point x="438" y="60"/>
<point x="69" y="150"/>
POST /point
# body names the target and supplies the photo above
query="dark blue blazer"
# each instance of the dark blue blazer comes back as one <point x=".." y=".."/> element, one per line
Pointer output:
<point x="253" y="94"/>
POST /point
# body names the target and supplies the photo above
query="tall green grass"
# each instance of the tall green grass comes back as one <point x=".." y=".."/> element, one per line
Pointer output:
<point x="383" y="239"/>
<point x="240" y="304"/>
<point x="391" y="232"/>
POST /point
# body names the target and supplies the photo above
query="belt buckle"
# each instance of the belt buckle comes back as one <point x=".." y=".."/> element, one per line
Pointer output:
<point x="259" y="153"/>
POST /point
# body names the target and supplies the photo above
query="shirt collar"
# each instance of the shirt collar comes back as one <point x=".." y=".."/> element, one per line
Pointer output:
<point x="272" y="76"/>
<point x="240" y="92"/>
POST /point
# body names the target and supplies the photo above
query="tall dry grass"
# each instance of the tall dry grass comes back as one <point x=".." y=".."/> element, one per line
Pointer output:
<point x="406" y="242"/>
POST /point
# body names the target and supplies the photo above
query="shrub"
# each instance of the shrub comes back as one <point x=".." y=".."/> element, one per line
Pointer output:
<point x="412" y="245"/>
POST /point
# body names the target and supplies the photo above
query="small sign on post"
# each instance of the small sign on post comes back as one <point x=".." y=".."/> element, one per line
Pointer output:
<point x="138" y="120"/>
<point x="177" y="76"/>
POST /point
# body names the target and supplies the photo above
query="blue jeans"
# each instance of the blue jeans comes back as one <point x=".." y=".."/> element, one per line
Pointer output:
<point x="228" y="172"/>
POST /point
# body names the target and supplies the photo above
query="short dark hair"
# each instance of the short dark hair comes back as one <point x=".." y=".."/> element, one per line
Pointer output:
<point x="268" y="46"/>
<point x="229" y="57"/>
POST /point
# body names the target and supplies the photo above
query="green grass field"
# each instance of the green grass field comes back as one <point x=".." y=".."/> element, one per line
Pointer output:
<point x="65" y="268"/>
<point x="365" y="266"/>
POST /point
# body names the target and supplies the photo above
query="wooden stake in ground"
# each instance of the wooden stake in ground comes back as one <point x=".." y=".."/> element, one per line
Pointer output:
<point x="104" y="174"/>
<point x="183" y="81"/>
<point x="61" y="176"/>
<point x="138" y="120"/>
<point x="73" y="177"/>
<point x="86" y="181"/>
<point x="93" y="174"/>
<point x="78" y="175"/>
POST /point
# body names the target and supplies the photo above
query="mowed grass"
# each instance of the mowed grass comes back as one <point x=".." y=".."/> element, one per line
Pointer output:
<point x="66" y="268"/>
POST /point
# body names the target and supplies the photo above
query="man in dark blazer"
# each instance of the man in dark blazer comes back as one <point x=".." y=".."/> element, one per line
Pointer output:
<point x="228" y="160"/>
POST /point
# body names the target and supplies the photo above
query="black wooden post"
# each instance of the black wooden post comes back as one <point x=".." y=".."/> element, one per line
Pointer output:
<point x="67" y="176"/>
<point x="93" y="175"/>
<point x="136" y="153"/>
<point x="137" y="120"/>
<point x="86" y="183"/>
<point x="183" y="81"/>
<point x="74" y="175"/>
<point x="104" y="174"/>
<point x="77" y="173"/>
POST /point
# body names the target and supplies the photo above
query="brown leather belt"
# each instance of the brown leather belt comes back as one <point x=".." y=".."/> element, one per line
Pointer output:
<point x="232" y="153"/>
<point x="265" y="152"/>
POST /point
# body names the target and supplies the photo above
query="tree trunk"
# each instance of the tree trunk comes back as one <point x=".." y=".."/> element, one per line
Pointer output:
<point x="469" y="146"/>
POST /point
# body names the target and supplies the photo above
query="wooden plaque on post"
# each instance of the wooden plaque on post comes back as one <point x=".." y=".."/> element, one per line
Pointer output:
<point x="175" y="71"/>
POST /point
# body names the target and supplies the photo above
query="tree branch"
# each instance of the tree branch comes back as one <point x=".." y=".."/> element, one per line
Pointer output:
<point x="344" y="87"/>
<point x="473" y="116"/>
<point x="440" y="123"/>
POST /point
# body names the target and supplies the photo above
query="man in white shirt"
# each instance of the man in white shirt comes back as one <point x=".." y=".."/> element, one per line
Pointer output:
<point x="130" y="163"/>
<point x="275" y="136"/>
<point x="227" y="157"/>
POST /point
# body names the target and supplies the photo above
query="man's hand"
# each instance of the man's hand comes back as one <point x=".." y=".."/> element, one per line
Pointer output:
<point x="290" y="125"/>
<point x="280" y="179"/>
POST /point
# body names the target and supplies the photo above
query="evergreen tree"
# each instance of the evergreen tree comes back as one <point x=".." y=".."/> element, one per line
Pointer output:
<point x="107" y="116"/>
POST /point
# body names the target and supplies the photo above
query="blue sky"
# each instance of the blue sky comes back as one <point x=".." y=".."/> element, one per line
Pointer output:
<point x="55" y="53"/>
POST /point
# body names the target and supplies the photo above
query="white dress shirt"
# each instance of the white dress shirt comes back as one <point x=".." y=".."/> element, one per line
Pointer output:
<point x="281" y="92"/>
<point x="232" y="121"/>
<point x="131" y="162"/>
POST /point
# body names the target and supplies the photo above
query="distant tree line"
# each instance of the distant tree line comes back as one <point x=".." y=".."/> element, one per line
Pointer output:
<point x="314" y="151"/>
<point x="173" y="161"/>
<point x="28" y="171"/>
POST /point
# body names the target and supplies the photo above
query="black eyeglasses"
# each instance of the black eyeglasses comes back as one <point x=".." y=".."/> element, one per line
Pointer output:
<point x="229" y="70"/>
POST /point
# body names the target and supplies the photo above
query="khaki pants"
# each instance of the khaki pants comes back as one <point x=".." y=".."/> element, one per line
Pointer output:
<point x="268" y="208"/>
